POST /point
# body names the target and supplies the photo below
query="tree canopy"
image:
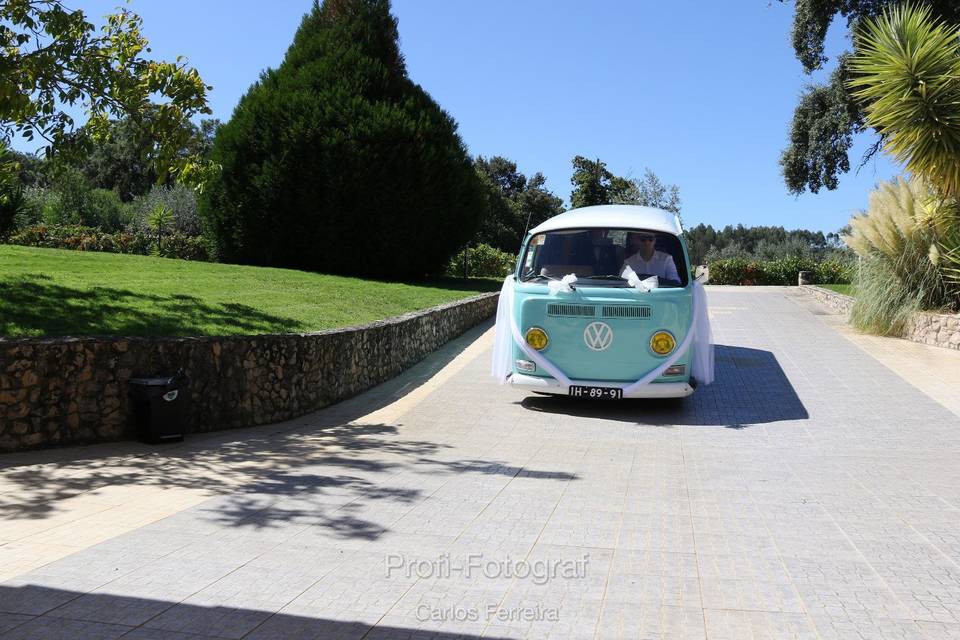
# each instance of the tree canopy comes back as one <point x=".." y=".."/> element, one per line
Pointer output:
<point x="337" y="161"/>
<point x="52" y="57"/>
<point x="515" y="203"/>
<point x="827" y="116"/>
<point x="127" y="160"/>
<point x="594" y="184"/>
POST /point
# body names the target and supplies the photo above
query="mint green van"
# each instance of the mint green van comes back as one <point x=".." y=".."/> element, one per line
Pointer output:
<point x="602" y="305"/>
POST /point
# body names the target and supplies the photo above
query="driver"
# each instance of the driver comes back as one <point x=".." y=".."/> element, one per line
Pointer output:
<point x="646" y="260"/>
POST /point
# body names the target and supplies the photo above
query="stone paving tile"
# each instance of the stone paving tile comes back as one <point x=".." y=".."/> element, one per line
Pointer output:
<point x="10" y="620"/>
<point x="757" y="625"/>
<point x="142" y="633"/>
<point x="99" y="607"/>
<point x="649" y="620"/>
<point x="61" y="629"/>
<point x="28" y="595"/>
<point x="283" y="627"/>
<point x="222" y="621"/>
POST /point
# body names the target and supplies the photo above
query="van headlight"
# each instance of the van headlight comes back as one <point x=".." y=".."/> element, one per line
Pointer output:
<point x="662" y="343"/>
<point x="537" y="338"/>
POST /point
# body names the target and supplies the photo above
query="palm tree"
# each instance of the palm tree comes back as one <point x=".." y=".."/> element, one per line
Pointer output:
<point x="907" y="74"/>
<point x="158" y="220"/>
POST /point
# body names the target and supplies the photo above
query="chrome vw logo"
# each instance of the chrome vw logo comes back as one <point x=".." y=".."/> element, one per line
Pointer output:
<point x="598" y="335"/>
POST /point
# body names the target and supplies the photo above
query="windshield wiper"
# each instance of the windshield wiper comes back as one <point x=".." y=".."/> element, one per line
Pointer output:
<point x="611" y="276"/>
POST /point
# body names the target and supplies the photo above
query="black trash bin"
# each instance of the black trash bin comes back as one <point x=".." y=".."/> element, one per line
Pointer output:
<point x="160" y="407"/>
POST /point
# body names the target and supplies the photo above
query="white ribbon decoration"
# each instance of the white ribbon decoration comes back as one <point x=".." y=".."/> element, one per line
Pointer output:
<point x="562" y="285"/>
<point x="701" y="366"/>
<point x="643" y="286"/>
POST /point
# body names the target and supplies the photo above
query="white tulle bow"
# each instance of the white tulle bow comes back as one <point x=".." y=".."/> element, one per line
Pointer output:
<point x="634" y="280"/>
<point x="562" y="285"/>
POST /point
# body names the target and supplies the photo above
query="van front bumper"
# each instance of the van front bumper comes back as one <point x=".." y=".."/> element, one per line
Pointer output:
<point x="652" y="390"/>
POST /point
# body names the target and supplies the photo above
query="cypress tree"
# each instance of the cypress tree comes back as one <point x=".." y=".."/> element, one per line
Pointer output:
<point x="337" y="162"/>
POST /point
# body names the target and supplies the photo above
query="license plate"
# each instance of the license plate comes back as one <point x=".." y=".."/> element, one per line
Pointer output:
<point x="596" y="393"/>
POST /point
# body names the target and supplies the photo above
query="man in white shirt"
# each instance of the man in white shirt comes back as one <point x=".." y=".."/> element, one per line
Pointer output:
<point x="647" y="260"/>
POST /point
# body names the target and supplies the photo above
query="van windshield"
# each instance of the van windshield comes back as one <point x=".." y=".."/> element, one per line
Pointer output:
<point x="600" y="255"/>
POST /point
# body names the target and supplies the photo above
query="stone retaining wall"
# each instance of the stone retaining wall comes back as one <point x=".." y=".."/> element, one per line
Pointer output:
<point x="73" y="390"/>
<point x="936" y="329"/>
<point x="836" y="301"/>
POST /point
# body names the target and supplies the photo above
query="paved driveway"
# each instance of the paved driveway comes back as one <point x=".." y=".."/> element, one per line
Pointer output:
<point x="808" y="493"/>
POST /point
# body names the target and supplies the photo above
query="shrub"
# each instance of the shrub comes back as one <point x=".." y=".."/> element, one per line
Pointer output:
<point x="482" y="261"/>
<point x="338" y="162"/>
<point x="12" y="205"/>
<point x="179" y="199"/>
<point x="782" y="271"/>
<point x="80" y="238"/>
<point x="178" y="245"/>
<point x="833" y="271"/>
<point x="71" y="201"/>
<point x="35" y="200"/>
<point x="104" y="209"/>
<point x="894" y="238"/>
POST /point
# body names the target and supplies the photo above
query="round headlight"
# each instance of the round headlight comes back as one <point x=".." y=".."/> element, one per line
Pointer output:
<point x="537" y="338"/>
<point x="662" y="343"/>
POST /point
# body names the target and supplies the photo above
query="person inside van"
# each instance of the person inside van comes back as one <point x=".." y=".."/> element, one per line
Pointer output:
<point x="644" y="258"/>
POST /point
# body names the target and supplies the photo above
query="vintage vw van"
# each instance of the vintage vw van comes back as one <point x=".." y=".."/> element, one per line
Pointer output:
<point x="573" y="320"/>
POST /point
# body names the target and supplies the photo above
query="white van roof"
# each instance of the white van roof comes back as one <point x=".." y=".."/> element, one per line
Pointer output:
<point x="613" y="216"/>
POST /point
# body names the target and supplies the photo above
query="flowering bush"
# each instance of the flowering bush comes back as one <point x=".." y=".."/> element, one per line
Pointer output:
<point x="175" y="245"/>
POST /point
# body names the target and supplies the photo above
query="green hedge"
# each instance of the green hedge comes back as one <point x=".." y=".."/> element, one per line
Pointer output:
<point x="173" y="245"/>
<point x="483" y="261"/>
<point x="782" y="271"/>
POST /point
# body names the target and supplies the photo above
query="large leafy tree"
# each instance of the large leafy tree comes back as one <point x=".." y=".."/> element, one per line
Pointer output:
<point x="827" y="116"/>
<point x="338" y="162"/>
<point x="127" y="160"/>
<point x="52" y="57"/>
<point x="593" y="184"/>
<point x="648" y="191"/>
<point x="515" y="203"/>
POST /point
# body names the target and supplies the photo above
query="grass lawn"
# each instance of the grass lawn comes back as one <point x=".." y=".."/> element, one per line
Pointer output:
<point x="845" y="289"/>
<point x="51" y="292"/>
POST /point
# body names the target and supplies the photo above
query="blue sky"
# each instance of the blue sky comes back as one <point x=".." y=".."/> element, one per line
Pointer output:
<point x="700" y="92"/>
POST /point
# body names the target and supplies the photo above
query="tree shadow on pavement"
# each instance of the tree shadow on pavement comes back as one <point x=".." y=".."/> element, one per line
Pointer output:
<point x="749" y="388"/>
<point x="79" y="614"/>
<point x="300" y="471"/>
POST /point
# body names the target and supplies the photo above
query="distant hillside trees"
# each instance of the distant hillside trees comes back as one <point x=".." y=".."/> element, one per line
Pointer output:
<point x="338" y="162"/>
<point x="707" y="244"/>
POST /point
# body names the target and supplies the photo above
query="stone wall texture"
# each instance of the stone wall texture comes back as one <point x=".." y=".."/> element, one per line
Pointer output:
<point x="838" y="302"/>
<point x="936" y="329"/>
<point x="76" y="390"/>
